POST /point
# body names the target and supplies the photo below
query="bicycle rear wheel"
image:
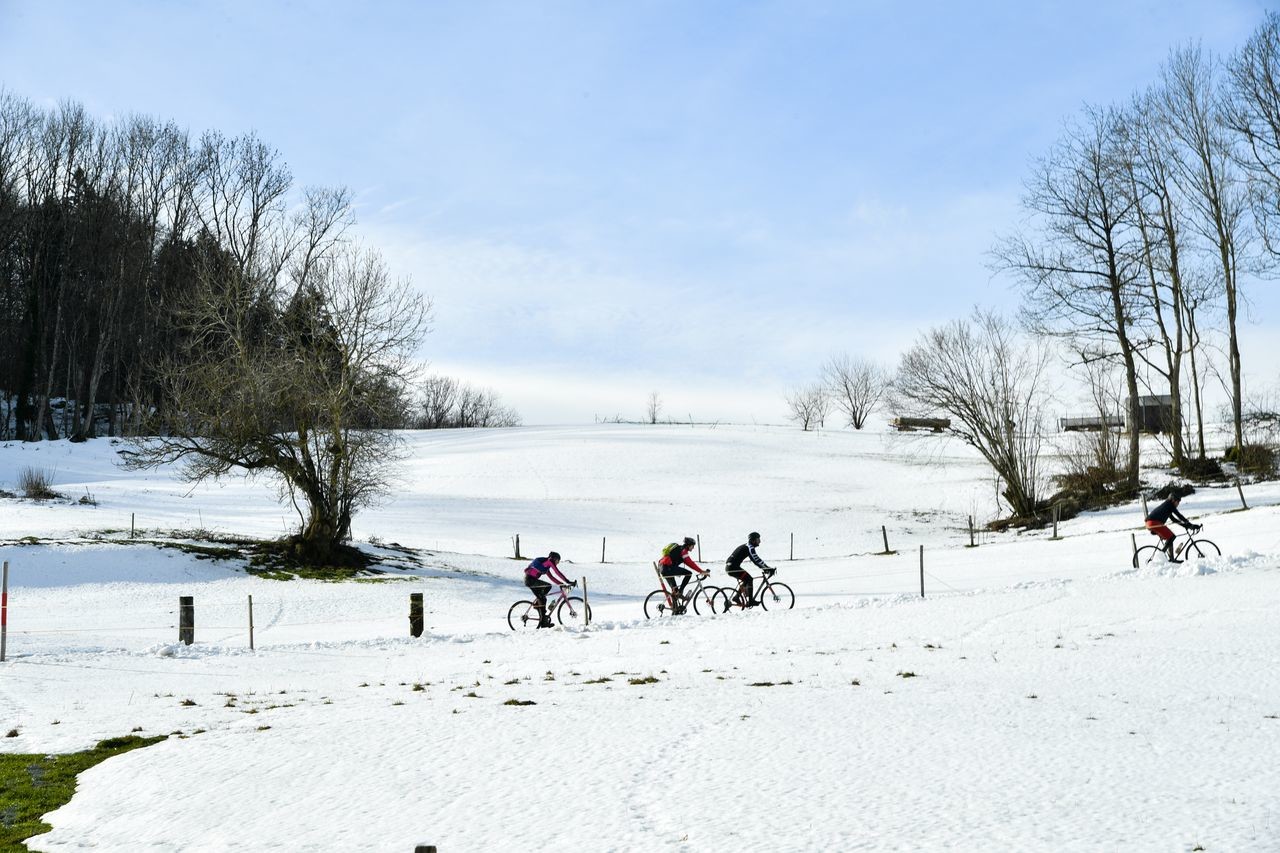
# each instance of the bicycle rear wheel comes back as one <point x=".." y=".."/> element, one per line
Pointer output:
<point x="1145" y="555"/>
<point x="1198" y="549"/>
<point x="776" y="596"/>
<point x="522" y="615"/>
<point x="573" y="612"/>
<point x="657" y="605"/>
<point x="704" y="601"/>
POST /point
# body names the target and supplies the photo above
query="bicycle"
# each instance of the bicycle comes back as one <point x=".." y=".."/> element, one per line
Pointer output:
<point x="1191" y="548"/>
<point x="661" y="602"/>
<point x="570" y="611"/>
<point x="768" y="593"/>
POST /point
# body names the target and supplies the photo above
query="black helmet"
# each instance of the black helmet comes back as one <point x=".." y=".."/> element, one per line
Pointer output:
<point x="554" y="557"/>
<point x="689" y="542"/>
<point x="753" y="538"/>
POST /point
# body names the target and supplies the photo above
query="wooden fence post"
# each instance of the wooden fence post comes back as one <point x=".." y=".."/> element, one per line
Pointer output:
<point x="1133" y="540"/>
<point x="4" y="611"/>
<point x="793" y="547"/>
<point x="1057" y="508"/>
<point x="1241" y="491"/>
<point x="186" y="619"/>
<point x="699" y="535"/>
<point x="518" y="557"/>
<point x="586" y="603"/>
<point x="885" y="534"/>
<point x="972" y="544"/>
<point x="922" y="571"/>
<point x="250" y="622"/>
<point x="603" y="541"/>
<point x="1145" y="510"/>
<point x="424" y="848"/>
<point x="132" y="526"/>
<point x="415" y="614"/>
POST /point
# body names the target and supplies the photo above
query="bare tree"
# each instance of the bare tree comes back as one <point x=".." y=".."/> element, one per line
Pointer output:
<point x="992" y="384"/>
<point x="1082" y="270"/>
<point x="439" y="395"/>
<point x="654" y="407"/>
<point x="855" y="386"/>
<point x="809" y="405"/>
<point x="295" y="387"/>
<point x="1211" y="182"/>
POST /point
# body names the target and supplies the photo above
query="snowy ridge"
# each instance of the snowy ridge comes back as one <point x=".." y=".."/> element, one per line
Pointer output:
<point x="1043" y="696"/>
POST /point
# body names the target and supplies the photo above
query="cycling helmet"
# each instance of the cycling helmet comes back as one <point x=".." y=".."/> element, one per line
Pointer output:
<point x="689" y="542"/>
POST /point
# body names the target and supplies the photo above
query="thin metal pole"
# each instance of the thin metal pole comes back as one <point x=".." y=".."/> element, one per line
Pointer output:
<point x="4" y="611"/>
<point x="793" y="547"/>
<point x="251" y="622"/>
<point x="922" y="571"/>
<point x="586" y="603"/>
<point x="699" y="535"/>
<point x="603" y="541"/>
<point x="132" y="526"/>
<point x="1241" y="491"/>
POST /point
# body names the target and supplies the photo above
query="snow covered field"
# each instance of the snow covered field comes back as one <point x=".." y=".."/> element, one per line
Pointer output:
<point x="1043" y="696"/>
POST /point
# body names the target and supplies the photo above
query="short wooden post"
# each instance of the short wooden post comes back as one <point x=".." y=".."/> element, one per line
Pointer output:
<point x="603" y="541"/>
<point x="4" y="610"/>
<point x="1241" y="491"/>
<point x="250" y="622"/>
<point x="972" y="544"/>
<point x="793" y="547"/>
<point x="922" y="571"/>
<point x="186" y="619"/>
<point x="1145" y="510"/>
<point x="415" y="614"/>
<point x="424" y="848"/>
<point x="885" y="534"/>
<point x="1133" y="540"/>
<point x="699" y="536"/>
<point x="586" y="602"/>
<point x="518" y="557"/>
<point x="1057" y="508"/>
<point x="132" y="527"/>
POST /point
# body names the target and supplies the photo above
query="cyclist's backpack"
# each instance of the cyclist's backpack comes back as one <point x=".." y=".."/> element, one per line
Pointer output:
<point x="672" y="550"/>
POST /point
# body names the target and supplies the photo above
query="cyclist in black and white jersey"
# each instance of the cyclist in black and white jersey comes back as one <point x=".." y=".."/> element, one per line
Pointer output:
<point x="733" y="566"/>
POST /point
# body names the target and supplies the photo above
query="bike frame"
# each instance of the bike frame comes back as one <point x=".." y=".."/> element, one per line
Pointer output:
<point x="757" y="586"/>
<point x="691" y="590"/>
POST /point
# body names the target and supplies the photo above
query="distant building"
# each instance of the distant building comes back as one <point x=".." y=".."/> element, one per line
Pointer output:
<point x="1155" y="413"/>
<point x="1097" y="423"/>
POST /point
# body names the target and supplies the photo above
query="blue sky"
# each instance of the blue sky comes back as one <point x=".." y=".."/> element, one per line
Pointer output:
<point x="705" y="199"/>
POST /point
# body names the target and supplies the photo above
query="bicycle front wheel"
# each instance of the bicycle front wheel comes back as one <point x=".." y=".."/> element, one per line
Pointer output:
<point x="573" y="612"/>
<point x="704" y="601"/>
<point x="657" y="605"/>
<point x="777" y="596"/>
<point x="1145" y="555"/>
<point x="522" y="615"/>
<point x="1198" y="549"/>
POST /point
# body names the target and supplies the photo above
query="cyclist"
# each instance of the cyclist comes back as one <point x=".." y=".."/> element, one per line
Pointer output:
<point x="733" y="566"/>
<point x="673" y="557"/>
<point x="548" y="565"/>
<point x="1157" y="524"/>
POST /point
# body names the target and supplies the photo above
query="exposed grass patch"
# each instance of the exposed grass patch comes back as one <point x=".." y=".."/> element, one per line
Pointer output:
<point x="906" y="673"/>
<point x="601" y="680"/>
<point x="768" y="684"/>
<point x="648" y="679"/>
<point x="35" y="785"/>
<point x="519" y="702"/>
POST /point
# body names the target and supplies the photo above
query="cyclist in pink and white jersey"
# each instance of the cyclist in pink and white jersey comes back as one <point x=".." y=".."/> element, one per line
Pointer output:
<point x="548" y="565"/>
